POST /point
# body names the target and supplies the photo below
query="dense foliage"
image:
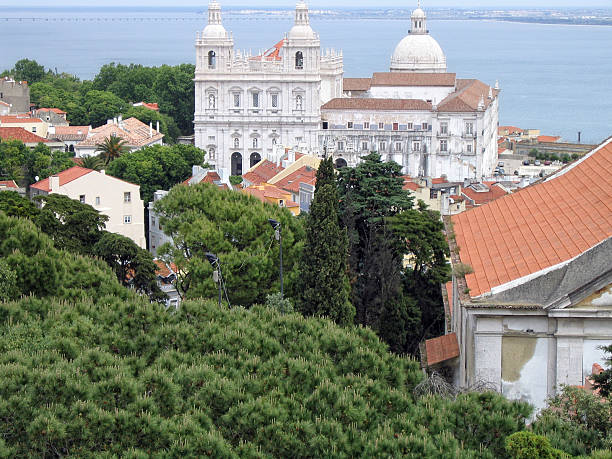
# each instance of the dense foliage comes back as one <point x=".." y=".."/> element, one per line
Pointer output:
<point x="397" y="255"/>
<point x="113" y="90"/>
<point x="233" y="226"/>
<point x="24" y="165"/>
<point x="157" y="167"/>
<point x="324" y="285"/>
<point x="128" y="378"/>
<point x="603" y="381"/>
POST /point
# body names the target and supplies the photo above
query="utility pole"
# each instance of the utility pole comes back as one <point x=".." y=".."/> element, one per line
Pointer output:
<point x="279" y="237"/>
<point x="214" y="261"/>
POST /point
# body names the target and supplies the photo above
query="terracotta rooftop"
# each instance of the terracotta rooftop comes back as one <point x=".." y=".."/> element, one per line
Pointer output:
<point x="165" y="269"/>
<point x="70" y="132"/>
<point x="8" y="184"/>
<point x="263" y="171"/>
<point x="479" y="198"/>
<point x="272" y="54"/>
<point x="510" y="130"/>
<point x="442" y="349"/>
<point x="66" y="176"/>
<point x="467" y="97"/>
<point x="15" y="119"/>
<point x="548" y="138"/>
<point x="346" y="103"/>
<point x="266" y="192"/>
<point x="409" y="185"/>
<point x="210" y="177"/>
<point x="304" y="174"/>
<point x="357" y="84"/>
<point x="133" y="131"/>
<point x="54" y="110"/>
<point x="150" y="106"/>
<point x="413" y="79"/>
<point x="19" y="133"/>
<point x="4" y="103"/>
<point x="540" y="226"/>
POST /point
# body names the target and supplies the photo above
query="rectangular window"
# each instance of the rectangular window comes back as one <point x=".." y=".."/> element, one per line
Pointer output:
<point x="469" y="148"/>
<point x="364" y="146"/>
<point x="416" y="146"/>
<point x="325" y="125"/>
<point x="398" y="146"/>
<point x="274" y="100"/>
<point x="383" y="146"/>
<point x="82" y="198"/>
<point x="410" y="126"/>
<point x="281" y="203"/>
<point x="97" y="200"/>
<point x="236" y="100"/>
<point x="341" y="146"/>
<point x="127" y="197"/>
<point x="469" y="128"/>
<point x="255" y="100"/>
<point x="443" y="145"/>
<point x="127" y="219"/>
<point x="396" y="126"/>
<point x="425" y="126"/>
<point x="443" y="128"/>
<point x="33" y="128"/>
<point x="153" y="222"/>
<point x="350" y="125"/>
<point x="366" y="125"/>
<point x="381" y="125"/>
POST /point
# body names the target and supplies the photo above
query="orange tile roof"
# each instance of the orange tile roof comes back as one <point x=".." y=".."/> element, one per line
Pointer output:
<point x="15" y="119"/>
<point x="347" y="103"/>
<point x="163" y="269"/>
<point x="292" y="182"/>
<point x="442" y="349"/>
<point x="479" y="198"/>
<point x="548" y="138"/>
<point x="8" y="184"/>
<point x="413" y="79"/>
<point x="19" y="133"/>
<point x="467" y="97"/>
<point x="540" y="226"/>
<point x="133" y="131"/>
<point x="510" y="129"/>
<point x="71" y="132"/>
<point x="439" y="181"/>
<point x="264" y="171"/>
<point x="65" y="177"/>
<point x="357" y="84"/>
<point x="210" y="177"/>
<point x="449" y="295"/>
<point x="408" y="185"/>
<point x="54" y="110"/>
<point x="151" y="106"/>
<point x="4" y="103"/>
<point x="272" y="54"/>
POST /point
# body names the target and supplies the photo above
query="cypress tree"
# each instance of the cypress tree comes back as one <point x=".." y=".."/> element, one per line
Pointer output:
<point x="325" y="287"/>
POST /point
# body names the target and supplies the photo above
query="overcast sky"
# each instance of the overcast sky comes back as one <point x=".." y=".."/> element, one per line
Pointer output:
<point x="315" y="3"/>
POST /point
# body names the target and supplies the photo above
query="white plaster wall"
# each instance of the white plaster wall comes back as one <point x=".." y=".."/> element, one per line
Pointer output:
<point x="569" y="361"/>
<point x="487" y="359"/>
<point x="532" y="385"/>
<point x="434" y="93"/>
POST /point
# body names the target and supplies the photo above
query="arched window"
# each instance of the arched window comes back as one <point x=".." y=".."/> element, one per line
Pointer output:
<point x="299" y="60"/>
<point x="274" y="141"/>
<point x="236" y="142"/>
<point x="299" y="102"/>
<point x="211" y="153"/>
<point x="212" y="101"/>
<point x="255" y="143"/>
<point x="255" y="158"/>
<point x="71" y="148"/>
<point x="212" y="59"/>
<point x="236" y="164"/>
<point x="340" y="163"/>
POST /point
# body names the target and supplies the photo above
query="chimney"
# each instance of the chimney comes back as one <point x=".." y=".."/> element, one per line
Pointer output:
<point x="103" y="172"/>
<point x="151" y="129"/>
<point x="120" y="119"/>
<point x="54" y="183"/>
<point x="157" y="126"/>
<point x="109" y="121"/>
<point x="114" y="120"/>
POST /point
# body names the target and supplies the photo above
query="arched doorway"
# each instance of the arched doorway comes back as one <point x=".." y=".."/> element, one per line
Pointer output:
<point x="236" y="164"/>
<point x="255" y="158"/>
<point x="340" y="163"/>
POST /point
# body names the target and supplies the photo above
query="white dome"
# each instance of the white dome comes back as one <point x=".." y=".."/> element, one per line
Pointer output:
<point x="301" y="32"/>
<point x="418" y="13"/>
<point x="214" y="31"/>
<point x="418" y="53"/>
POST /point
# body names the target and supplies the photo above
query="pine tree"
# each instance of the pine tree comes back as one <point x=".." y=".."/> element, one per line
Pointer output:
<point x="325" y="287"/>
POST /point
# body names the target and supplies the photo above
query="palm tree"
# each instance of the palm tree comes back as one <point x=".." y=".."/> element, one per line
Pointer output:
<point x="112" y="148"/>
<point x="92" y="162"/>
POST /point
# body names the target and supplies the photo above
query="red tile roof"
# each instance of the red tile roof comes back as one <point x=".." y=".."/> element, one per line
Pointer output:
<point x="449" y="294"/>
<point x="71" y="132"/>
<point x="133" y="131"/>
<point x="346" y="103"/>
<point x="272" y="54"/>
<point x="479" y="198"/>
<point x="264" y="171"/>
<point x="439" y="181"/>
<point x="163" y="269"/>
<point x="413" y="79"/>
<point x="291" y="182"/>
<point x="408" y="185"/>
<point x="65" y="177"/>
<point x="54" y="110"/>
<point x="442" y="349"/>
<point x="467" y="97"/>
<point x="357" y="84"/>
<point x="8" y="184"/>
<point x="210" y="177"/>
<point x="510" y="130"/>
<point x="4" y="103"/>
<point x="540" y="226"/>
<point x="19" y="133"/>
<point x="14" y="119"/>
<point x="548" y="138"/>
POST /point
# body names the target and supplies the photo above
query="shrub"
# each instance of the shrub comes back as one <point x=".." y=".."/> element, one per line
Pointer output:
<point x="278" y="303"/>
<point x="462" y="269"/>
<point x="527" y="445"/>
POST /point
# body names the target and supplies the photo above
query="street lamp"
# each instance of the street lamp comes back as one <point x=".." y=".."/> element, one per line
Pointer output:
<point x="214" y="261"/>
<point x="279" y="237"/>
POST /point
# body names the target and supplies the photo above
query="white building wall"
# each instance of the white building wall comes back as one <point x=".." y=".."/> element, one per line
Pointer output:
<point x="435" y="94"/>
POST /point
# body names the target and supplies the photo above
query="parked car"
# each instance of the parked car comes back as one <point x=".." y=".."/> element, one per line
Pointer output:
<point x="500" y="164"/>
<point x="526" y="162"/>
<point x="537" y="162"/>
<point x="547" y="163"/>
<point x="516" y="172"/>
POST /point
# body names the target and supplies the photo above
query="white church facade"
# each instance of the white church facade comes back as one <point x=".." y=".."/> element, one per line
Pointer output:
<point x="417" y="114"/>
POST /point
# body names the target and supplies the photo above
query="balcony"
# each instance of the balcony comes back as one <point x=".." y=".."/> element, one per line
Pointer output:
<point x="468" y="135"/>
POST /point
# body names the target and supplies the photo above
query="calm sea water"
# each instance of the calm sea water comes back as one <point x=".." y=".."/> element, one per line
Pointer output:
<point x="553" y="77"/>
